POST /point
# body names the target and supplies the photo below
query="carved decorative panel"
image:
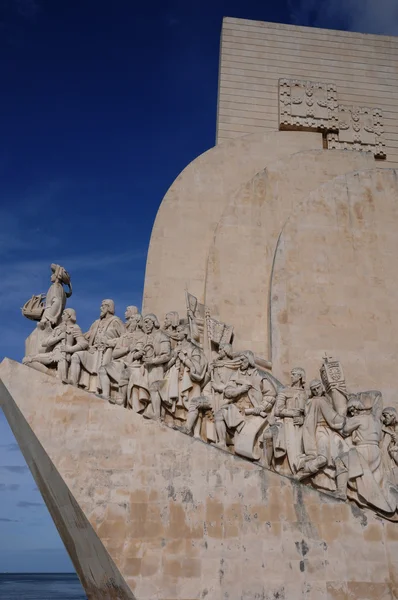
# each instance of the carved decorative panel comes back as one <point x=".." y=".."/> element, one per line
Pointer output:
<point x="359" y="128"/>
<point x="307" y="104"/>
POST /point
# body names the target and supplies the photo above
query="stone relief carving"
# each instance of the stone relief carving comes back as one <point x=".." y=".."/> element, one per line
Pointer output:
<point x="310" y="105"/>
<point x="359" y="128"/>
<point x="188" y="375"/>
<point x="307" y="104"/>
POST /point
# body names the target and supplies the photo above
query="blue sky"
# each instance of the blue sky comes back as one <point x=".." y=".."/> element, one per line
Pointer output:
<point x="103" y="104"/>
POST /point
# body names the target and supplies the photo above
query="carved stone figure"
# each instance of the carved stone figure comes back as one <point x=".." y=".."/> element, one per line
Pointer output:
<point x="147" y="375"/>
<point x="389" y="445"/>
<point x="187" y="371"/>
<point x="321" y="441"/>
<point x="128" y="348"/>
<point x="197" y="406"/>
<point x="360" y="473"/>
<point x="170" y="328"/>
<point x="289" y="413"/>
<point x="102" y="338"/>
<point x="49" y="312"/>
<point x="221" y="370"/>
<point x="248" y="392"/>
<point x="63" y="341"/>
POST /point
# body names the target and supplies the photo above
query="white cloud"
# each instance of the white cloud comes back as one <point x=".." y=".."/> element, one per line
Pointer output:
<point x="365" y="16"/>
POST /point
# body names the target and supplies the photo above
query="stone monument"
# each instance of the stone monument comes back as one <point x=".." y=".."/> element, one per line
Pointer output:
<point x="238" y="437"/>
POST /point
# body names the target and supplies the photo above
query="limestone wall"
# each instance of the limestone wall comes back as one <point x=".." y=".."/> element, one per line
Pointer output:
<point x="183" y="520"/>
<point x="255" y="54"/>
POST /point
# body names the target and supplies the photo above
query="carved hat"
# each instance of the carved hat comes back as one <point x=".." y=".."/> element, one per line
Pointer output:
<point x="154" y="320"/>
<point x="64" y="277"/>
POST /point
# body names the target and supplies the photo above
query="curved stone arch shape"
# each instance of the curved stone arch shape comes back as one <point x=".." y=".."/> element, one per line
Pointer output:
<point x="241" y="257"/>
<point x="335" y="262"/>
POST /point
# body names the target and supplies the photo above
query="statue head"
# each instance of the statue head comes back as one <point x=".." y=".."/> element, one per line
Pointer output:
<point x="171" y="319"/>
<point x="107" y="308"/>
<point x="297" y="375"/>
<point x="246" y="360"/>
<point x="316" y="388"/>
<point x="389" y="416"/>
<point x="69" y="314"/>
<point x="60" y="275"/>
<point x="354" y="405"/>
<point x="133" y="318"/>
<point x="150" y="322"/>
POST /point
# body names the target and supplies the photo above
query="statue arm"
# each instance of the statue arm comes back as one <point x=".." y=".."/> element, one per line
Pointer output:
<point x="350" y="425"/>
<point x="165" y="354"/>
<point x="234" y="391"/>
<point x="80" y="341"/>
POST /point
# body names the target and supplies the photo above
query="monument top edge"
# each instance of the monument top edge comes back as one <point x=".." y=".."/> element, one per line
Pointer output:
<point x="306" y="28"/>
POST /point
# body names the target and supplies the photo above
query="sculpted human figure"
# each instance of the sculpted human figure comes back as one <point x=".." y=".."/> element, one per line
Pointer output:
<point x="321" y="441"/>
<point x="389" y="444"/>
<point x="148" y="374"/>
<point x="128" y="349"/>
<point x="247" y="390"/>
<point x="289" y="413"/>
<point x="63" y="341"/>
<point x="360" y="473"/>
<point x="102" y="338"/>
<point x="171" y="328"/>
<point x="56" y="297"/>
<point x="186" y="371"/>
<point x="221" y="370"/>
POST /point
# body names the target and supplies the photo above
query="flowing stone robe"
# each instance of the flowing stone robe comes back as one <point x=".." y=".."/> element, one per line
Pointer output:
<point x="288" y="441"/>
<point x="222" y="372"/>
<point x="321" y="439"/>
<point x="260" y="394"/>
<point x="109" y="328"/>
<point x="367" y="481"/>
<point x="119" y="369"/>
<point x="68" y="334"/>
<point x="145" y="378"/>
<point x="184" y="382"/>
<point x="389" y="453"/>
<point x="54" y="304"/>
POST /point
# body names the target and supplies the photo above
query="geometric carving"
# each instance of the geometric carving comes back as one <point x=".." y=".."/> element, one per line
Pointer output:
<point x="359" y="128"/>
<point x="307" y="105"/>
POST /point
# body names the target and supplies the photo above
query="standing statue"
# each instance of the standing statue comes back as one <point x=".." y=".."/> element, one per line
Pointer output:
<point x="118" y="370"/>
<point x="360" y="473"/>
<point x="147" y="377"/>
<point x="49" y="312"/>
<point x="171" y="328"/>
<point x="389" y="444"/>
<point x="102" y="338"/>
<point x="289" y="413"/>
<point x="321" y="441"/>
<point x="63" y="341"/>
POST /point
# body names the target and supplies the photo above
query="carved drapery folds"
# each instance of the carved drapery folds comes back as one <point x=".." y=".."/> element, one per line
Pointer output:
<point x="186" y="373"/>
<point x="314" y="106"/>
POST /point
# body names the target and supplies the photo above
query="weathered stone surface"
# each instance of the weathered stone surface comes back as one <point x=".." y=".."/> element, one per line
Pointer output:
<point x="334" y="281"/>
<point x="242" y="252"/>
<point x="172" y="517"/>
<point x="187" y="218"/>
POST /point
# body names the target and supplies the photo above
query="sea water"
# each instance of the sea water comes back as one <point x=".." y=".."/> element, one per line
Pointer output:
<point x="40" y="586"/>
